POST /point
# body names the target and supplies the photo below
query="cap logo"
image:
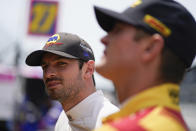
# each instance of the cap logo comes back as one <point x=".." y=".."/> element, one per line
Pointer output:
<point x="157" y="25"/>
<point x="86" y="48"/>
<point x="174" y="95"/>
<point x="136" y="3"/>
<point x="53" y="39"/>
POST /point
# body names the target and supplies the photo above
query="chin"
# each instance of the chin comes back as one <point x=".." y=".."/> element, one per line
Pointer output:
<point x="100" y="67"/>
<point x="102" y="70"/>
<point x="52" y="95"/>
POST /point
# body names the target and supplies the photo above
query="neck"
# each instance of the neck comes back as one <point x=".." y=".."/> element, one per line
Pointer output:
<point x="130" y="85"/>
<point x="84" y="92"/>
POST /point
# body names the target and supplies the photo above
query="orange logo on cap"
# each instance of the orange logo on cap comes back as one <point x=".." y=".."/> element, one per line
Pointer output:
<point x="136" y="3"/>
<point x="157" y="25"/>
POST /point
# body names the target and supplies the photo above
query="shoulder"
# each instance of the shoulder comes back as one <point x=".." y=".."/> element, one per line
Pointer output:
<point x="160" y="117"/>
<point x="151" y="119"/>
<point x="105" y="106"/>
<point x="62" y="122"/>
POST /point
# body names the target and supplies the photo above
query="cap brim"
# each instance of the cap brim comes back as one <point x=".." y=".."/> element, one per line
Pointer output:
<point x="107" y="18"/>
<point x="35" y="58"/>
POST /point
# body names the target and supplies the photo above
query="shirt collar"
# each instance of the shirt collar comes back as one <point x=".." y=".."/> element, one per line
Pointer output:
<point x="85" y="107"/>
<point x="162" y="95"/>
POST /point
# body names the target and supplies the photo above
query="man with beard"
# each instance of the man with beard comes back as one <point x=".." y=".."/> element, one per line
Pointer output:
<point x="149" y="46"/>
<point x="68" y="66"/>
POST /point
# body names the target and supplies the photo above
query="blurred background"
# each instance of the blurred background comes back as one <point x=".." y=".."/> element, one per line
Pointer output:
<point x="25" y="25"/>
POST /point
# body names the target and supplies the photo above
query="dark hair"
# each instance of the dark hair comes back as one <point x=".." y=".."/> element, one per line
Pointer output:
<point x="141" y="33"/>
<point x="172" y="69"/>
<point x="81" y="63"/>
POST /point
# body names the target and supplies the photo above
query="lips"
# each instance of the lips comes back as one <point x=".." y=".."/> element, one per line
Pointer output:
<point x="52" y="84"/>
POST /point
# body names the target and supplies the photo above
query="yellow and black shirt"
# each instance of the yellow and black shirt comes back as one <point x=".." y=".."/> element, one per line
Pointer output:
<point x="155" y="109"/>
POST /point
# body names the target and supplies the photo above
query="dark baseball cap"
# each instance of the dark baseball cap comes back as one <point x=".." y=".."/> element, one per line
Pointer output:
<point x="62" y="44"/>
<point x="166" y="17"/>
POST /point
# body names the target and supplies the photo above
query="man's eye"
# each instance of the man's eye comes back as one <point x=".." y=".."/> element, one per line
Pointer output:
<point x="62" y="63"/>
<point x="116" y="30"/>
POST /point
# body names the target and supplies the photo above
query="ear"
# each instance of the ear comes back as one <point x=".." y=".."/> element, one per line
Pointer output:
<point x="89" y="69"/>
<point x="152" y="48"/>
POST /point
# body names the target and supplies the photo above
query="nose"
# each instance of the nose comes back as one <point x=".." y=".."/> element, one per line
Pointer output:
<point x="49" y="72"/>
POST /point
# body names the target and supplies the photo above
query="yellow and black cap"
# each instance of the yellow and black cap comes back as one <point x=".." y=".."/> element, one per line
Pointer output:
<point x="62" y="44"/>
<point x="166" y="17"/>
